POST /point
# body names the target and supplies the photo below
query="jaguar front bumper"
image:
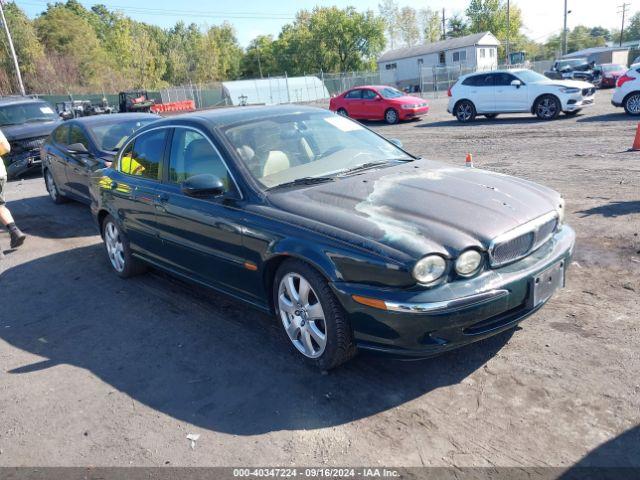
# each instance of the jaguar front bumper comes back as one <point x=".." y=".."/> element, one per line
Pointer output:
<point x="422" y="323"/>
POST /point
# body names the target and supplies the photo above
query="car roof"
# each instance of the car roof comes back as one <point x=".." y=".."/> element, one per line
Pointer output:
<point x="17" y="99"/>
<point x="113" y="118"/>
<point x="229" y="115"/>
<point x="373" y="87"/>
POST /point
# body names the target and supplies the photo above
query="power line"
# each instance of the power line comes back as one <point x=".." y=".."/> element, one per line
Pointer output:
<point x="249" y="15"/>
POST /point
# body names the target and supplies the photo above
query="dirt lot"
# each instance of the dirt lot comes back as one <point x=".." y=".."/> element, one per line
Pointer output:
<point x="99" y="371"/>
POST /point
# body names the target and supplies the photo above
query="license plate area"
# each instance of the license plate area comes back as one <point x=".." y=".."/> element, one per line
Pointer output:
<point x="546" y="283"/>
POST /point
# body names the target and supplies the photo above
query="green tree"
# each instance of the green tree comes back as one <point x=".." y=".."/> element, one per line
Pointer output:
<point x="259" y="59"/>
<point x="491" y="16"/>
<point x="408" y="26"/>
<point x="389" y="12"/>
<point x="632" y="32"/>
<point x="457" y="26"/>
<point x="431" y="25"/>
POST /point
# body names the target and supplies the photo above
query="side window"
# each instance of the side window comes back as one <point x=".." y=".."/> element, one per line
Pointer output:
<point x="354" y="94"/>
<point x="61" y="135"/>
<point x="369" y="95"/>
<point x="503" y="79"/>
<point x="475" y="81"/>
<point x="192" y="154"/>
<point x="143" y="157"/>
<point x="76" y="135"/>
<point x="488" y="81"/>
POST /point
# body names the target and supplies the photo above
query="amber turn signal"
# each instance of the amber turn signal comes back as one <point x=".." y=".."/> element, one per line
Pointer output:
<point x="370" y="302"/>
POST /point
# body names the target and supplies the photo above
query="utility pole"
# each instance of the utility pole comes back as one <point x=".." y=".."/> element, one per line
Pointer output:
<point x="444" y="27"/>
<point x="13" y="51"/>
<point x="623" y="10"/>
<point x="564" y="30"/>
<point x="508" y="31"/>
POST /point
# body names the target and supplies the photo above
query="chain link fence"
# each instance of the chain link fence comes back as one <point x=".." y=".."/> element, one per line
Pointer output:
<point x="436" y="81"/>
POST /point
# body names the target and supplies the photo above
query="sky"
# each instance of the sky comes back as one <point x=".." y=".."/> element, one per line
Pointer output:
<point x="542" y="18"/>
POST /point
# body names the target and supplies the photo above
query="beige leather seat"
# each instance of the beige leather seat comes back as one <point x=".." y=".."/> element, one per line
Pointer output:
<point x="277" y="161"/>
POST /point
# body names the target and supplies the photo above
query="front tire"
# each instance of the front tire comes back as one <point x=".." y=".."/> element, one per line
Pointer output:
<point x="632" y="104"/>
<point x="343" y="112"/>
<point x="391" y="117"/>
<point x="118" y="250"/>
<point x="465" y="111"/>
<point x="54" y="193"/>
<point x="313" y="321"/>
<point x="547" y="108"/>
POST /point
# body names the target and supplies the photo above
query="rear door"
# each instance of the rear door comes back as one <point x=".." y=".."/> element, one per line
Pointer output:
<point x="202" y="237"/>
<point x="509" y="98"/>
<point x="479" y="89"/>
<point x="135" y="189"/>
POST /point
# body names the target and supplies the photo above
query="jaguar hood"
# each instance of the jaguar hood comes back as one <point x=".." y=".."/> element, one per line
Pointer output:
<point x="421" y="207"/>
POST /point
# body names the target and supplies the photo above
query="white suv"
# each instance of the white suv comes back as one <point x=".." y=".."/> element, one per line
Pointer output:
<point x="517" y="91"/>
<point x="627" y="92"/>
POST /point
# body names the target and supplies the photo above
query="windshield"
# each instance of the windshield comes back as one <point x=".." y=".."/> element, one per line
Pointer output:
<point x="20" y="113"/>
<point x="112" y="136"/>
<point x="613" y="68"/>
<point x="572" y="63"/>
<point x="529" y="76"/>
<point x="390" y="92"/>
<point x="282" y="149"/>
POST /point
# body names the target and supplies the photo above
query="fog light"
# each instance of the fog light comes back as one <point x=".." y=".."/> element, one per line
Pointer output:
<point x="429" y="269"/>
<point x="468" y="263"/>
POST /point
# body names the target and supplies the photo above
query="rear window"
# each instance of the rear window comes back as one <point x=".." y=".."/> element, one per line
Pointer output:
<point x="476" y="81"/>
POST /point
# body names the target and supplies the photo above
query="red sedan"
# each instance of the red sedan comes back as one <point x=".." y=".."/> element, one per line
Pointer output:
<point x="378" y="103"/>
<point x="610" y="73"/>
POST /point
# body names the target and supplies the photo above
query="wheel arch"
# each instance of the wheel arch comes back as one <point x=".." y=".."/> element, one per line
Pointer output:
<point x="626" y="97"/>
<point x="464" y="100"/>
<point x="100" y="216"/>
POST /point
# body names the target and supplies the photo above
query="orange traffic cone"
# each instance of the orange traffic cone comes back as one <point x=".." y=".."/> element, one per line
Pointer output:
<point x="636" y="142"/>
<point x="469" y="160"/>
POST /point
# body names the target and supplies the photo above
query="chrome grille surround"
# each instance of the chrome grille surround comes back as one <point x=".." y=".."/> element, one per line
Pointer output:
<point x="523" y="240"/>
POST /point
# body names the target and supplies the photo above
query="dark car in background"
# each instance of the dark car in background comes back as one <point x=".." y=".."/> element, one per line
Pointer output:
<point x="347" y="239"/>
<point x="81" y="146"/>
<point x="572" y="69"/>
<point x="26" y="122"/>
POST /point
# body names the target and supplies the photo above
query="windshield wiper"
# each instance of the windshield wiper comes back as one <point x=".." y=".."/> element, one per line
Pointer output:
<point x="364" y="166"/>
<point x="303" y="181"/>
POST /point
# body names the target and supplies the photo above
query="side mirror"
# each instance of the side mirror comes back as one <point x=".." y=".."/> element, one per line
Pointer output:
<point x="77" y="148"/>
<point x="378" y="98"/>
<point x="516" y="83"/>
<point x="204" y="185"/>
<point x="396" y="142"/>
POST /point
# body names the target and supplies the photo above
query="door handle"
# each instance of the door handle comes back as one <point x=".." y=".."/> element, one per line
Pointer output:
<point x="114" y="185"/>
<point x="163" y="198"/>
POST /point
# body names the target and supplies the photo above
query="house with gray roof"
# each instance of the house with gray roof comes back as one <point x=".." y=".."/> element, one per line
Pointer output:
<point x="402" y="66"/>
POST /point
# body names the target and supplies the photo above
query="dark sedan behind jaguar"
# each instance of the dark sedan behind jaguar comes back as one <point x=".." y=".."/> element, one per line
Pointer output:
<point x="351" y="242"/>
<point x="79" y="147"/>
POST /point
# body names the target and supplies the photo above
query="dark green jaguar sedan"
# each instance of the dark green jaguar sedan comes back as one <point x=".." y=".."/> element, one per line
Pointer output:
<point x="350" y="241"/>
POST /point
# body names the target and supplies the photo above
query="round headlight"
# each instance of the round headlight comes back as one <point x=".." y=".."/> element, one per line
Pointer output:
<point x="468" y="263"/>
<point x="429" y="269"/>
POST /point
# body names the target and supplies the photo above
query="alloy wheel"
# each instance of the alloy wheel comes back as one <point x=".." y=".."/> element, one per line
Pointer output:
<point x="51" y="186"/>
<point x="633" y="104"/>
<point x="547" y="108"/>
<point x="115" y="247"/>
<point x="464" y="112"/>
<point x="391" y="116"/>
<point x="302" y="315"/>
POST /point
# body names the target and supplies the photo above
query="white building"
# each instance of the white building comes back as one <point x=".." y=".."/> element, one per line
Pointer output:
<point x="403" y="66"/>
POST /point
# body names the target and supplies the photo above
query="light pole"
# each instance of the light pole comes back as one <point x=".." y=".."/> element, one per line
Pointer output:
<point x="13" y="51"/>
<point x="508" y="31"/>
<point x="564" y="30"/>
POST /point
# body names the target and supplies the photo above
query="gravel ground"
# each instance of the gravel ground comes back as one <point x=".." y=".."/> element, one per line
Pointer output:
<point x="99" y="371"/>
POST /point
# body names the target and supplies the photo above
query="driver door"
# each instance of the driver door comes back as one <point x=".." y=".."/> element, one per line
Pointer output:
<point x="509" y="98"/>
<point x="372" y="105"/>
<point x="80" y="166"/>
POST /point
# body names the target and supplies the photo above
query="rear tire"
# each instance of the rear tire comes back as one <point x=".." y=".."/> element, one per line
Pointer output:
<point x="547" y="108"/>
<point x="54" y="193"/>
<point x="631" y="104"/>
<point x="313" y="321"/>
<point x="465" y="111"/>
<point x="118" y="250"/>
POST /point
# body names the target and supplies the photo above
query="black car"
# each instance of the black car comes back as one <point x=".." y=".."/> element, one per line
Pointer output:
<point x="572" y="69"/>
<point x="26" y="122"/>
<point x="347" y="239"/>
<point x="77" y="148"/>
